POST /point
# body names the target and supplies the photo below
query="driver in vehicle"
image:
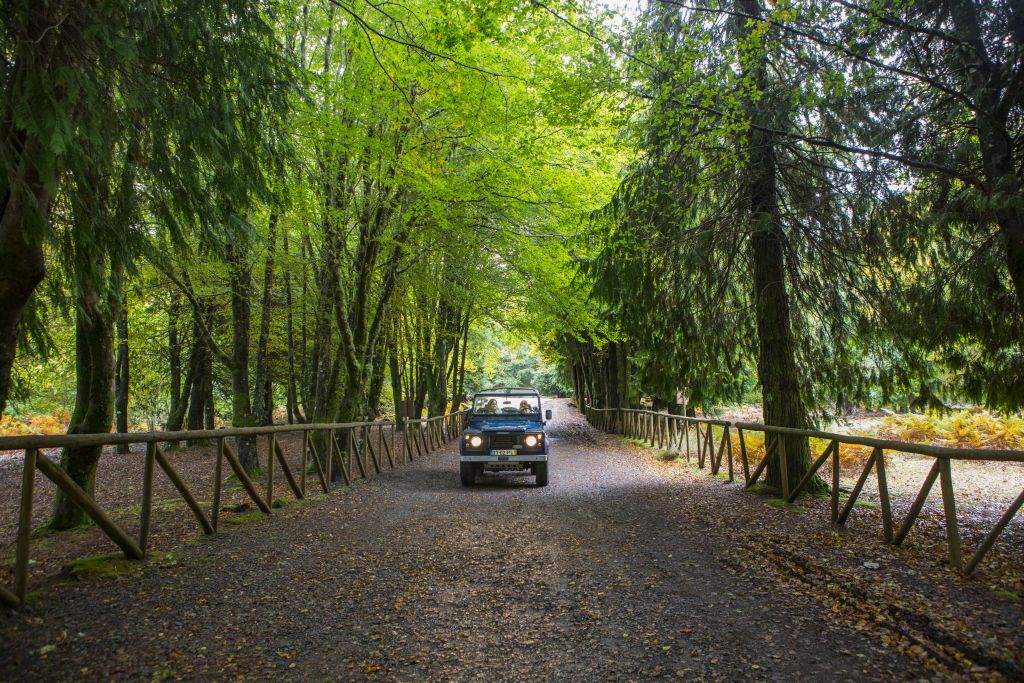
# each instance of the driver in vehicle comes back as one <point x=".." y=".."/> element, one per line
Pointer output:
<point x="491" y="407"/>
<point x="524" y="407"/>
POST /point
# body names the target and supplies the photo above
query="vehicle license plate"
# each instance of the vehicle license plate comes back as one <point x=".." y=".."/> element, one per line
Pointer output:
<point x="503" y="452"/>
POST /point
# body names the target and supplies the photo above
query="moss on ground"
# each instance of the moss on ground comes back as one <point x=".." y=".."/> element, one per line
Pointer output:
<point x="861" y="503"/>
<point x="763" y="490"/>
<point x="782" y="504"/>
<point x="113" y="565"/>
<point x="105" y="566"/>
<point x="46" y="531"/>
<point x="1007" y="595"/>
<point x="248" y="518"/>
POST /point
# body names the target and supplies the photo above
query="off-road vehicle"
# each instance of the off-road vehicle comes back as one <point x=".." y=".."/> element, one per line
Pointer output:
<point x="505" y="434"/>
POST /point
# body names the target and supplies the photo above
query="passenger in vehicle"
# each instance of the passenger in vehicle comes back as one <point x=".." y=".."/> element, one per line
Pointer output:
<point x="491" y="407"/>
<point x="524" y="407"/>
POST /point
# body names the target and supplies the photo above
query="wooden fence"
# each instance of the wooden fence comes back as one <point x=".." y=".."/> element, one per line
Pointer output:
<point x="673" y="432"/>
<point x="421" y="437"/>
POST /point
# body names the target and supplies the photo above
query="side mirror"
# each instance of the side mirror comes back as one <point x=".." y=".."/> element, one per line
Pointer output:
<point x="547" y="414"/>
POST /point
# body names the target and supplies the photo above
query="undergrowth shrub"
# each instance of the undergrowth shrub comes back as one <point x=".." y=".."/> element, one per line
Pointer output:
<point x="965" y="429"/>
<point x="53" y="423"/>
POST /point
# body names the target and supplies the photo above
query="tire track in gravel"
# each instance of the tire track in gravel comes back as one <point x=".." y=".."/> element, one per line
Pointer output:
<point x="409" y="576"/>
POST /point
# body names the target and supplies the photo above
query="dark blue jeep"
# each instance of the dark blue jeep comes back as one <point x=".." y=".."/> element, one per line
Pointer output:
<point x="505" y="434"/>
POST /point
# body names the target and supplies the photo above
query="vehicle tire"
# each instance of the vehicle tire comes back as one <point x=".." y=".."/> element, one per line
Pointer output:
<point x="467" y="472"/>
<point x="540" y="470"/>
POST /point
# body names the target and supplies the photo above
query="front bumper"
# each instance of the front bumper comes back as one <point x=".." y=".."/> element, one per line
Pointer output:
<point x="504" y="459"/>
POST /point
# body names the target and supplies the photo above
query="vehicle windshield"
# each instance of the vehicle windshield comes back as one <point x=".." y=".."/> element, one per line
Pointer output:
<point x="506" y="405"/>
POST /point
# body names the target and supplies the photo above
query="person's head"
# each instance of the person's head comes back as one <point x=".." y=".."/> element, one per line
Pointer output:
<point x="524" y="406"/>
<point x="492" y="404"/>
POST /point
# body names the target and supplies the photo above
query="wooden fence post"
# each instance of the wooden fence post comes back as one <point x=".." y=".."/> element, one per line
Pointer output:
<point x="701" y="444"/>
<point x="835" y="483"/>
<point x="686" y="426"/>
<point x="728" y="452"/>
<point x="218" y="475"/>
<point x="28" y="477"/>
<point x="146" y="510"/>
<point x="743" y="455"/>
<point x="883" y="496"/>
<point x="305" y="462"/>
<point x="949" y="505"/>
<point x="271" y="439"/>
<point x="783" y="466"/>
<point x="709" y="444"/>
<point x="330" y="456"/>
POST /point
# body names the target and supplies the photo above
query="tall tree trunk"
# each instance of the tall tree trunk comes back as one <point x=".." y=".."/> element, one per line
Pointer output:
<point x="453" y="367"/>
<point x="263" y="395"/>
<point x="304" y="371"/>
<point x="210" y="408"/>
<point x="176" y="412"/>
<point x="121" y="376"/>
<point x="782" y="398"/>
<point x="292" y="397"/>
<point x="577" y="385"/>
<point x="94" y="395"/>
<point x="460" y="392"/>
<point x="419" y="397"/>
<point x="614" y="390"/>
<point x="437" y="389"/>
<point x="396" y="376"/>
<point x="199" y="369"/>
<point x="241" y="315"/>
<point x="622" y="348"/>
<point x="376" y="380"/>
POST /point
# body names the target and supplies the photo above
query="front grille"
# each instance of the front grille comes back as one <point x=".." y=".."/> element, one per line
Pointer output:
<point x="499" y="440"/>
<point x="505" y="467"/>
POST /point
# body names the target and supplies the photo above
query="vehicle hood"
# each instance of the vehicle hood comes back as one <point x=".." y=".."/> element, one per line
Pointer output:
<point x="504" y="425"/>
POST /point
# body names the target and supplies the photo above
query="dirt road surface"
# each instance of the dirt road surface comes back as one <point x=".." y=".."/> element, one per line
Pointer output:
<point x="606" y="574"/>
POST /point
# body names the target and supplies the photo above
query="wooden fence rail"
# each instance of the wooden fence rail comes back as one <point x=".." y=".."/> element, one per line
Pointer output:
<point x="673" y="432"/>
<point x="421" y="435"/>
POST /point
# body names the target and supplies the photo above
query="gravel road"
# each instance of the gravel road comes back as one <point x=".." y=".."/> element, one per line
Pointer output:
<point x="409" y="576"/>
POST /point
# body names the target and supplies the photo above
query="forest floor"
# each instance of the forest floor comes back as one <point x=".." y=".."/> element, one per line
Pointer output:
<point x="626" y="567"/>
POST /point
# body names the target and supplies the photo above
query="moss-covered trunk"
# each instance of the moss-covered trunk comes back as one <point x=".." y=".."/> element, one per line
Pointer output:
<point x="94" y="395"/>
<point x="373" y="394"/>
<point x="199" y="381"/>
<point x="241" y="316"/>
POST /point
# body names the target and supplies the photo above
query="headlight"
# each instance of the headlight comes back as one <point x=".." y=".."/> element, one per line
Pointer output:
<point x="476" y="441"/>
<point x="532" y="440"/>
